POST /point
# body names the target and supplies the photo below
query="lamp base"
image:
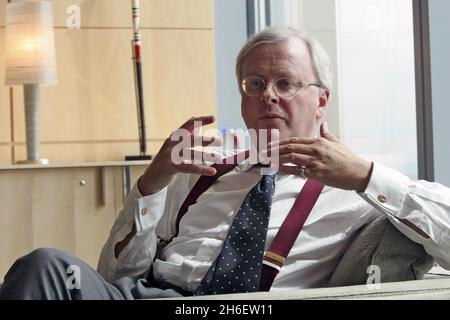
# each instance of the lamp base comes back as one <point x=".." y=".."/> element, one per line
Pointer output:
<point x="40" y="161"/>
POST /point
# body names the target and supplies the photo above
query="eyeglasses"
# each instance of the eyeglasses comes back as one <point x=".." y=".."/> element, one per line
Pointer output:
<point x="284" y="87"/>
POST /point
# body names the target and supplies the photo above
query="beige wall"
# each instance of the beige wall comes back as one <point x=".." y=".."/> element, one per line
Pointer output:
<point x="5" y="131"/>
<point x="154" y="13"/>
<point x="5" y="119"/>
<point x="2" y="10"/>
<point x="91" y="114"/>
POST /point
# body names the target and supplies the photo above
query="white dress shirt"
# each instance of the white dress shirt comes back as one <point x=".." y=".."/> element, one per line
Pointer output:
<point x="333" y="223"/>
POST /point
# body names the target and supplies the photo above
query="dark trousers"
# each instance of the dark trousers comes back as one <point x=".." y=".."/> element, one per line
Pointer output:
<point x="51" y="274"/>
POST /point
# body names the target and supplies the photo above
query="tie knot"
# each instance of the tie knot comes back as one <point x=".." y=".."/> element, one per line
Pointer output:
<point x="267" y="182"/>
<point x="266" y="170"/>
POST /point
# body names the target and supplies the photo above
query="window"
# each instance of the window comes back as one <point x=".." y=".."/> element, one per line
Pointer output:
<point x="376" y="76"/>
<point x="371" y="45"/>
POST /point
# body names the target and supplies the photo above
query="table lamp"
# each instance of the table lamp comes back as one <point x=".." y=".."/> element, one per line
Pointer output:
<point x="30" y="61"/>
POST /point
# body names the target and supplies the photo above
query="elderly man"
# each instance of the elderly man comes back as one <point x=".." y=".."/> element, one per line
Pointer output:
<point x="182" y="234"/>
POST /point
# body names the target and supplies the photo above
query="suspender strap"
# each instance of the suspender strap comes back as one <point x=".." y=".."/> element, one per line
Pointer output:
<point x="288" y="233"/>
<point x="204" y="182"/>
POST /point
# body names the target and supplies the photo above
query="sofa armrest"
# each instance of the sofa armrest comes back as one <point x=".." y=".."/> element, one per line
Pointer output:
<point x="382" y="245"/>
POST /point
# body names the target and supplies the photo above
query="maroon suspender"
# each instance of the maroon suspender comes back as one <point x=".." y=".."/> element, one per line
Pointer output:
<point x="288" y="233"/>
<point x="289" y="230"/>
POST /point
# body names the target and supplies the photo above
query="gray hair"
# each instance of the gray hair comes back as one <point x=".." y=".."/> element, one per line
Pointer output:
<point x="320" y="60"/>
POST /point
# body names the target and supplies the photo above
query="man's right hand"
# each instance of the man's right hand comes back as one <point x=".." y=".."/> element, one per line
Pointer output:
<point x="163" y="169"/>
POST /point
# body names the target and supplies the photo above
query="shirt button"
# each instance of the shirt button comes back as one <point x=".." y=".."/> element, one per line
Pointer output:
<point x="143" y="211"/>
<point x="382" y="199"/>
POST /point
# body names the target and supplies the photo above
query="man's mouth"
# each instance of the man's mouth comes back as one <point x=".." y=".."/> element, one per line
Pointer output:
<point x="271" y="116"/>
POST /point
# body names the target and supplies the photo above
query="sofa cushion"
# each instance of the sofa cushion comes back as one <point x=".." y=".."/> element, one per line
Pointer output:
<point x="381" y="244"/>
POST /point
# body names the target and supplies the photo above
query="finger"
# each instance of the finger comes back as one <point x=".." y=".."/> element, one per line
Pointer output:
<point x="197" y="169"/>
<point x="293" y="140"/>
<point x="324" y="133"/>
<point x="292" y="148"/>
<point x="294" y="170"/>
<point x="200" y="156"/>
<point x="295" y="158"/>
<point x="205" y="120"/>
<point x="206" y="141"/>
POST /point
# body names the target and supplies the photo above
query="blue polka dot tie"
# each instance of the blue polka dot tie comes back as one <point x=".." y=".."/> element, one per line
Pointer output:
<point x="238" y="266"/>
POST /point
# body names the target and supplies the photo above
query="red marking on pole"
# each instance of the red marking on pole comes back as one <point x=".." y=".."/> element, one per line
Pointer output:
<point x="137" y="51"/>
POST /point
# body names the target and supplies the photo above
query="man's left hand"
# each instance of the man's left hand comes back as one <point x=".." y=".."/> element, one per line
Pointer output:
<point x="324" y="159"/>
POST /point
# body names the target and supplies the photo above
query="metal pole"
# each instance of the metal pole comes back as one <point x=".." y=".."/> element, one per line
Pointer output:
<point x="31" y="96"/>
<point x="138" y="76"/>
<point x="425" y="148"/>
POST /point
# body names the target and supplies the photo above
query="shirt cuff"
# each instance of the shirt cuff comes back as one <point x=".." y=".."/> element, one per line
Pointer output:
<point x="149" y="209"/>
<point x="386" y="190"/>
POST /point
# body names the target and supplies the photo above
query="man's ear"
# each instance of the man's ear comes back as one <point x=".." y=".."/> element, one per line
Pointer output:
<point x="324" y="97"/>
<point x="323" y="103"/>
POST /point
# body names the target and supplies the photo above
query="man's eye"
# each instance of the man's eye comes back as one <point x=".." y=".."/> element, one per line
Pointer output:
<point x="285" y="84"/>
<point x="256" y="84"/>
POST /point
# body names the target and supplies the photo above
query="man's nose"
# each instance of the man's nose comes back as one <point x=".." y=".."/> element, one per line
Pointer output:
<point x="269" y="95"/>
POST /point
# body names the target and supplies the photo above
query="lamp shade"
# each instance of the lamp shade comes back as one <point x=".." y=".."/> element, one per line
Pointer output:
<point x="29" y="43"/>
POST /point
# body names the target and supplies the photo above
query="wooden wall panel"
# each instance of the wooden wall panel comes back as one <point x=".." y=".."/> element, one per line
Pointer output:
<point x="94" y="211"/>
<point x="5" y="116"/>
<point x="184" y="84"/>
<point x="178" y="14"/>
<point x="56" y="211"/>
<point x="5" y="154"/>
<point x="52" y="213"/>
<point x="5" y="119"/>
<point x="15" y="219"/>
<point x="87" y="152"/>
<point x="94" y="99"/>
<point x="154" y="13"/>
<point x="2" y="12"/>
<point x="135" y="172"/>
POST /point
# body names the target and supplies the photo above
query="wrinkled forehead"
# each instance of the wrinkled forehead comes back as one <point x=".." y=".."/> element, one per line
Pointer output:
<point x="290" y="57"/>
